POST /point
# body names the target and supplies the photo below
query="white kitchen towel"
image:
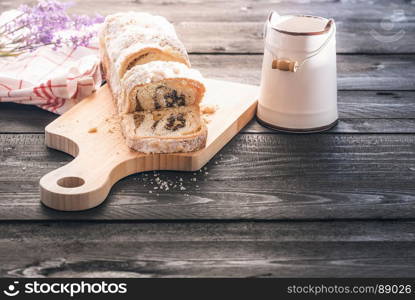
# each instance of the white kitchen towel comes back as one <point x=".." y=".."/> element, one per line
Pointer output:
<point x="52" y="80"/>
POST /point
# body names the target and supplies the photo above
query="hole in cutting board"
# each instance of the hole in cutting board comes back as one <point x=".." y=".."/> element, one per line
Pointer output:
<point x="71" y="182"/>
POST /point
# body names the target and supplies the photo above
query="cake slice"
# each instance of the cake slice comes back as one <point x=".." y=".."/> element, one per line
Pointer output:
<point x="178" y="129"/>
<point x="159" y="85"/>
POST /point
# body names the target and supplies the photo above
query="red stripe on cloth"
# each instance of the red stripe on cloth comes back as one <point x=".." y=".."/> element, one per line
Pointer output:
<point x="56" y="85"/>
<point x="45" y="92"/>
<point x="48" y="105"/>
<point x="52" y="108"/>
<point x="56" y="102"/>
<point x="5" y="86"/>
<point x="35" y="90"/>
<point x="86" y="84"/>
<point x="69" y="55"/>
<point x="60" y="104"/>
<point x="49" y="84"/>
<point x="20" y="84"/>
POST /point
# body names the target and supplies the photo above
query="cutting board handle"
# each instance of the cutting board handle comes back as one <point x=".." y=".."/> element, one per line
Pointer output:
<point x="81" y="184"/>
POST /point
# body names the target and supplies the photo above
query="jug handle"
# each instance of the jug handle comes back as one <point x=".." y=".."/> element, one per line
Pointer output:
<point x="326" y="29"/>
<point x="328" y="25"/>
<point x="268" y="23"/>
<point x="294" y="66"/>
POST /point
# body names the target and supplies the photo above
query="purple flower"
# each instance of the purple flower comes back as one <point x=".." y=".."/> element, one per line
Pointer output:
<point x="46" y="24"/>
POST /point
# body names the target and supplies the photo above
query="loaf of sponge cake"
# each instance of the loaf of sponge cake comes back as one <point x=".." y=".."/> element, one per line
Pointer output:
<point x="156" y="92"/>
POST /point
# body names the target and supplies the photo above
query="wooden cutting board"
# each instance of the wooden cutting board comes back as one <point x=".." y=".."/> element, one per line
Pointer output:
<point x="90" y="132"/>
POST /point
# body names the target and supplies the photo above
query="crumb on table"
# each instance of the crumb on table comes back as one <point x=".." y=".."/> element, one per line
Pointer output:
<point x="93" y="130"/>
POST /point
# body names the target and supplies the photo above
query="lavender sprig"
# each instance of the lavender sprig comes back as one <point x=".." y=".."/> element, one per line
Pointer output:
<point x="46" y="23"/>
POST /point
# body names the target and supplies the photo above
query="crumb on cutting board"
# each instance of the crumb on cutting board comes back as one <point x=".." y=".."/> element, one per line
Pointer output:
<point x="93" y="130"/>
<point x="209" y="109"/>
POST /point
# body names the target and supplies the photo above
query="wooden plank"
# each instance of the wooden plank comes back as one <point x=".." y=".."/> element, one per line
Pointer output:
<point x="246" y="37"/>
<point x="361" y="126"/>
<point x="355" y="72"/>
<point x="237" y="27"/>
<point x="269" y="176"/>
<point x="301" y="249"/>
<point x="243" y="11"/>
<point x="360" y="112"/>
<point x="23" y="118"/>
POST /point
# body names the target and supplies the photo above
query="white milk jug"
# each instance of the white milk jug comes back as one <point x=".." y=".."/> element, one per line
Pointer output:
<point x="298" y="83"/>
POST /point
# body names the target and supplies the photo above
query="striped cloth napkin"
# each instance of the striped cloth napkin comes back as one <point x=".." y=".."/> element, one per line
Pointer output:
<point x="52" y="80"/>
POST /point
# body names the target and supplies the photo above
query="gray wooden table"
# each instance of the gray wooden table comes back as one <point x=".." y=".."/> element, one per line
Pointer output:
<point x="340" y="203"/>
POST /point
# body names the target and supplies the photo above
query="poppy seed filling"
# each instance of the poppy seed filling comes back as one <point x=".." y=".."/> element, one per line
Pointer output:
<point x="155" y="123"/>
<point x="170" y="96"/>
<point x="172" y="99"/>
<point x="175" y="122"/>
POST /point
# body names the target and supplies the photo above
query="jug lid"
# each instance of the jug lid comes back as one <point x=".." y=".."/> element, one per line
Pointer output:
<point x="300" y="25"/>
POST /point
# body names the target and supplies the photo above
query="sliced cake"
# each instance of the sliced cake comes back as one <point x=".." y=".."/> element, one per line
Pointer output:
<point x="158" y="85"/>
<point x="156" y="93"/>
<point x="169" y="130"/>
